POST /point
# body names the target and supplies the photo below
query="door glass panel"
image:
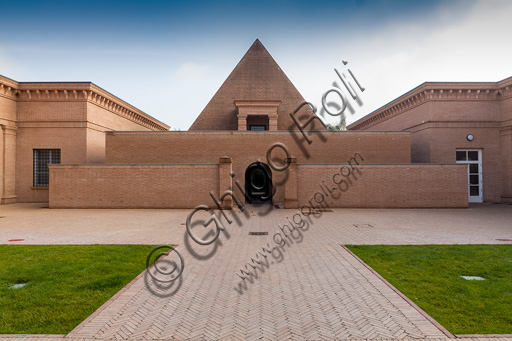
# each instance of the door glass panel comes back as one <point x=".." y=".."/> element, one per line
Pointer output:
<point x="461" y="156"/>
<point x="473" y="156"/>
<point x="473" y="168"/>
<point x="473" y="179"/>
<point x="474" y="191"/>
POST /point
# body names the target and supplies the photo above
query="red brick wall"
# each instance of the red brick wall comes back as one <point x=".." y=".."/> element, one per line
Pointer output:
<point x="71" y="142"/>
<point x="506" y="110"/>
<point x="398" y="186"/>
<point x="187" y="147"/>
<point x="186" y="186"/>
<point x="133" y="186"/>
<point x="246" y="148"/>
<point x="439" y="127"/>
<point x="7" y="107"/>
<point x="47" y="125"/>
<point x="95" y="146"/>
<point x="506" y="147"/>
<point x="57" y="118"/>
<point x="101" y="120"/>
<point x="7" y="141"/>
<point x="51" y="111"/>
<point x="420" y="145"/>
<point x="465" y="110"/>
<point x="487" y="139"/>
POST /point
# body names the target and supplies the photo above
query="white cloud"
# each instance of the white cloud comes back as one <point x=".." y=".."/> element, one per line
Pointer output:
<point x="472" y="48"/>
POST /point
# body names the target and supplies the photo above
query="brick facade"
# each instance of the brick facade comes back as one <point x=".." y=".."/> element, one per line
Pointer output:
<point x="72" y="117"/>
<point x="132" y="186"/>
<point x="115" y="156"/>
<point x="8" y="131"/>
<point x="245" y="148"/>
<point x="383" y="185"/>
<point x="307" y="186"/>
<point x="441" y="115"/>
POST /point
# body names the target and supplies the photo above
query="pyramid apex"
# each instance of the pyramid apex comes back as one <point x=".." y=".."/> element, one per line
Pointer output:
<point x="257" y="45"/>
<point x="256" y="78"/>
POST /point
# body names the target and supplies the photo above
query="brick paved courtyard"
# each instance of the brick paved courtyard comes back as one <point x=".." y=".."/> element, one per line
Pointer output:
<point x="314" y="290"/>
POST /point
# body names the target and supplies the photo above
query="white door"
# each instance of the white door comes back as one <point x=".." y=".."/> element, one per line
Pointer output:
<point x="473" y="158"/>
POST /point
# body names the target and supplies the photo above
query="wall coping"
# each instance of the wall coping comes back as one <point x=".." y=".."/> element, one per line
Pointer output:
<point x="266" y="132"/>
<point x="383" y="164"/>
<point x="162" y="165"/>
<point x="127" y="165"/>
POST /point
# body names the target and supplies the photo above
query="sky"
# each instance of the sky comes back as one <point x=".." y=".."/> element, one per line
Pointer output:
<point x="169" y="58"/>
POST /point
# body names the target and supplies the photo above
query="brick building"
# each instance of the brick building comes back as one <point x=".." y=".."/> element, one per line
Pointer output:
<point x="45" y="123"/>
<point x="466" y="123"/>
<point x="255" y="142"/>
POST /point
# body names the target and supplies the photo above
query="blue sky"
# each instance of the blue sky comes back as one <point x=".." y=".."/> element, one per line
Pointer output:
<point x="168" y="58"/>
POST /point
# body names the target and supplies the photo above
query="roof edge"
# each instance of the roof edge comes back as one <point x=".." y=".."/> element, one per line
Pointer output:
<point x="85" y="90"/>
<point x="432" y="91"/>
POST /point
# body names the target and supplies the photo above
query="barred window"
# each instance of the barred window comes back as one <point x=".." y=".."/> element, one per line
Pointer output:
<point x="43" y="158"/>
<point x="257" y="127"/>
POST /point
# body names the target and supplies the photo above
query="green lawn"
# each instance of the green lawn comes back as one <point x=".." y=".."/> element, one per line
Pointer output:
<point x="429" y="276"/>
<point x="65" y="284"/>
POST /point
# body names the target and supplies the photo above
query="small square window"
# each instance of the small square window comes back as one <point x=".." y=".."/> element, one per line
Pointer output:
<point x="257" y="127"/>
<point x="43" y="158"/>
<point x="461" y="155"/>
<point x="472" y="156"/>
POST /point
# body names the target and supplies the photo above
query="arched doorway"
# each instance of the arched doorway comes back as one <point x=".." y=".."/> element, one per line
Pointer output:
<point x="258" y="183"/>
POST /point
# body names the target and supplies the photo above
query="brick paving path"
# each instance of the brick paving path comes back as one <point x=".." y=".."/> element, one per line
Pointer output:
<point x="314" y="290"/>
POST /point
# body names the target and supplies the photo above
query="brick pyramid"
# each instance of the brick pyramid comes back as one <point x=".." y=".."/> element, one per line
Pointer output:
<point x="256" y="77"/>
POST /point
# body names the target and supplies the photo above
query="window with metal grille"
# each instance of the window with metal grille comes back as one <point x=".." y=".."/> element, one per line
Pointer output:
<point x="257" y="127"/>
<point x="43" y="158"/>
